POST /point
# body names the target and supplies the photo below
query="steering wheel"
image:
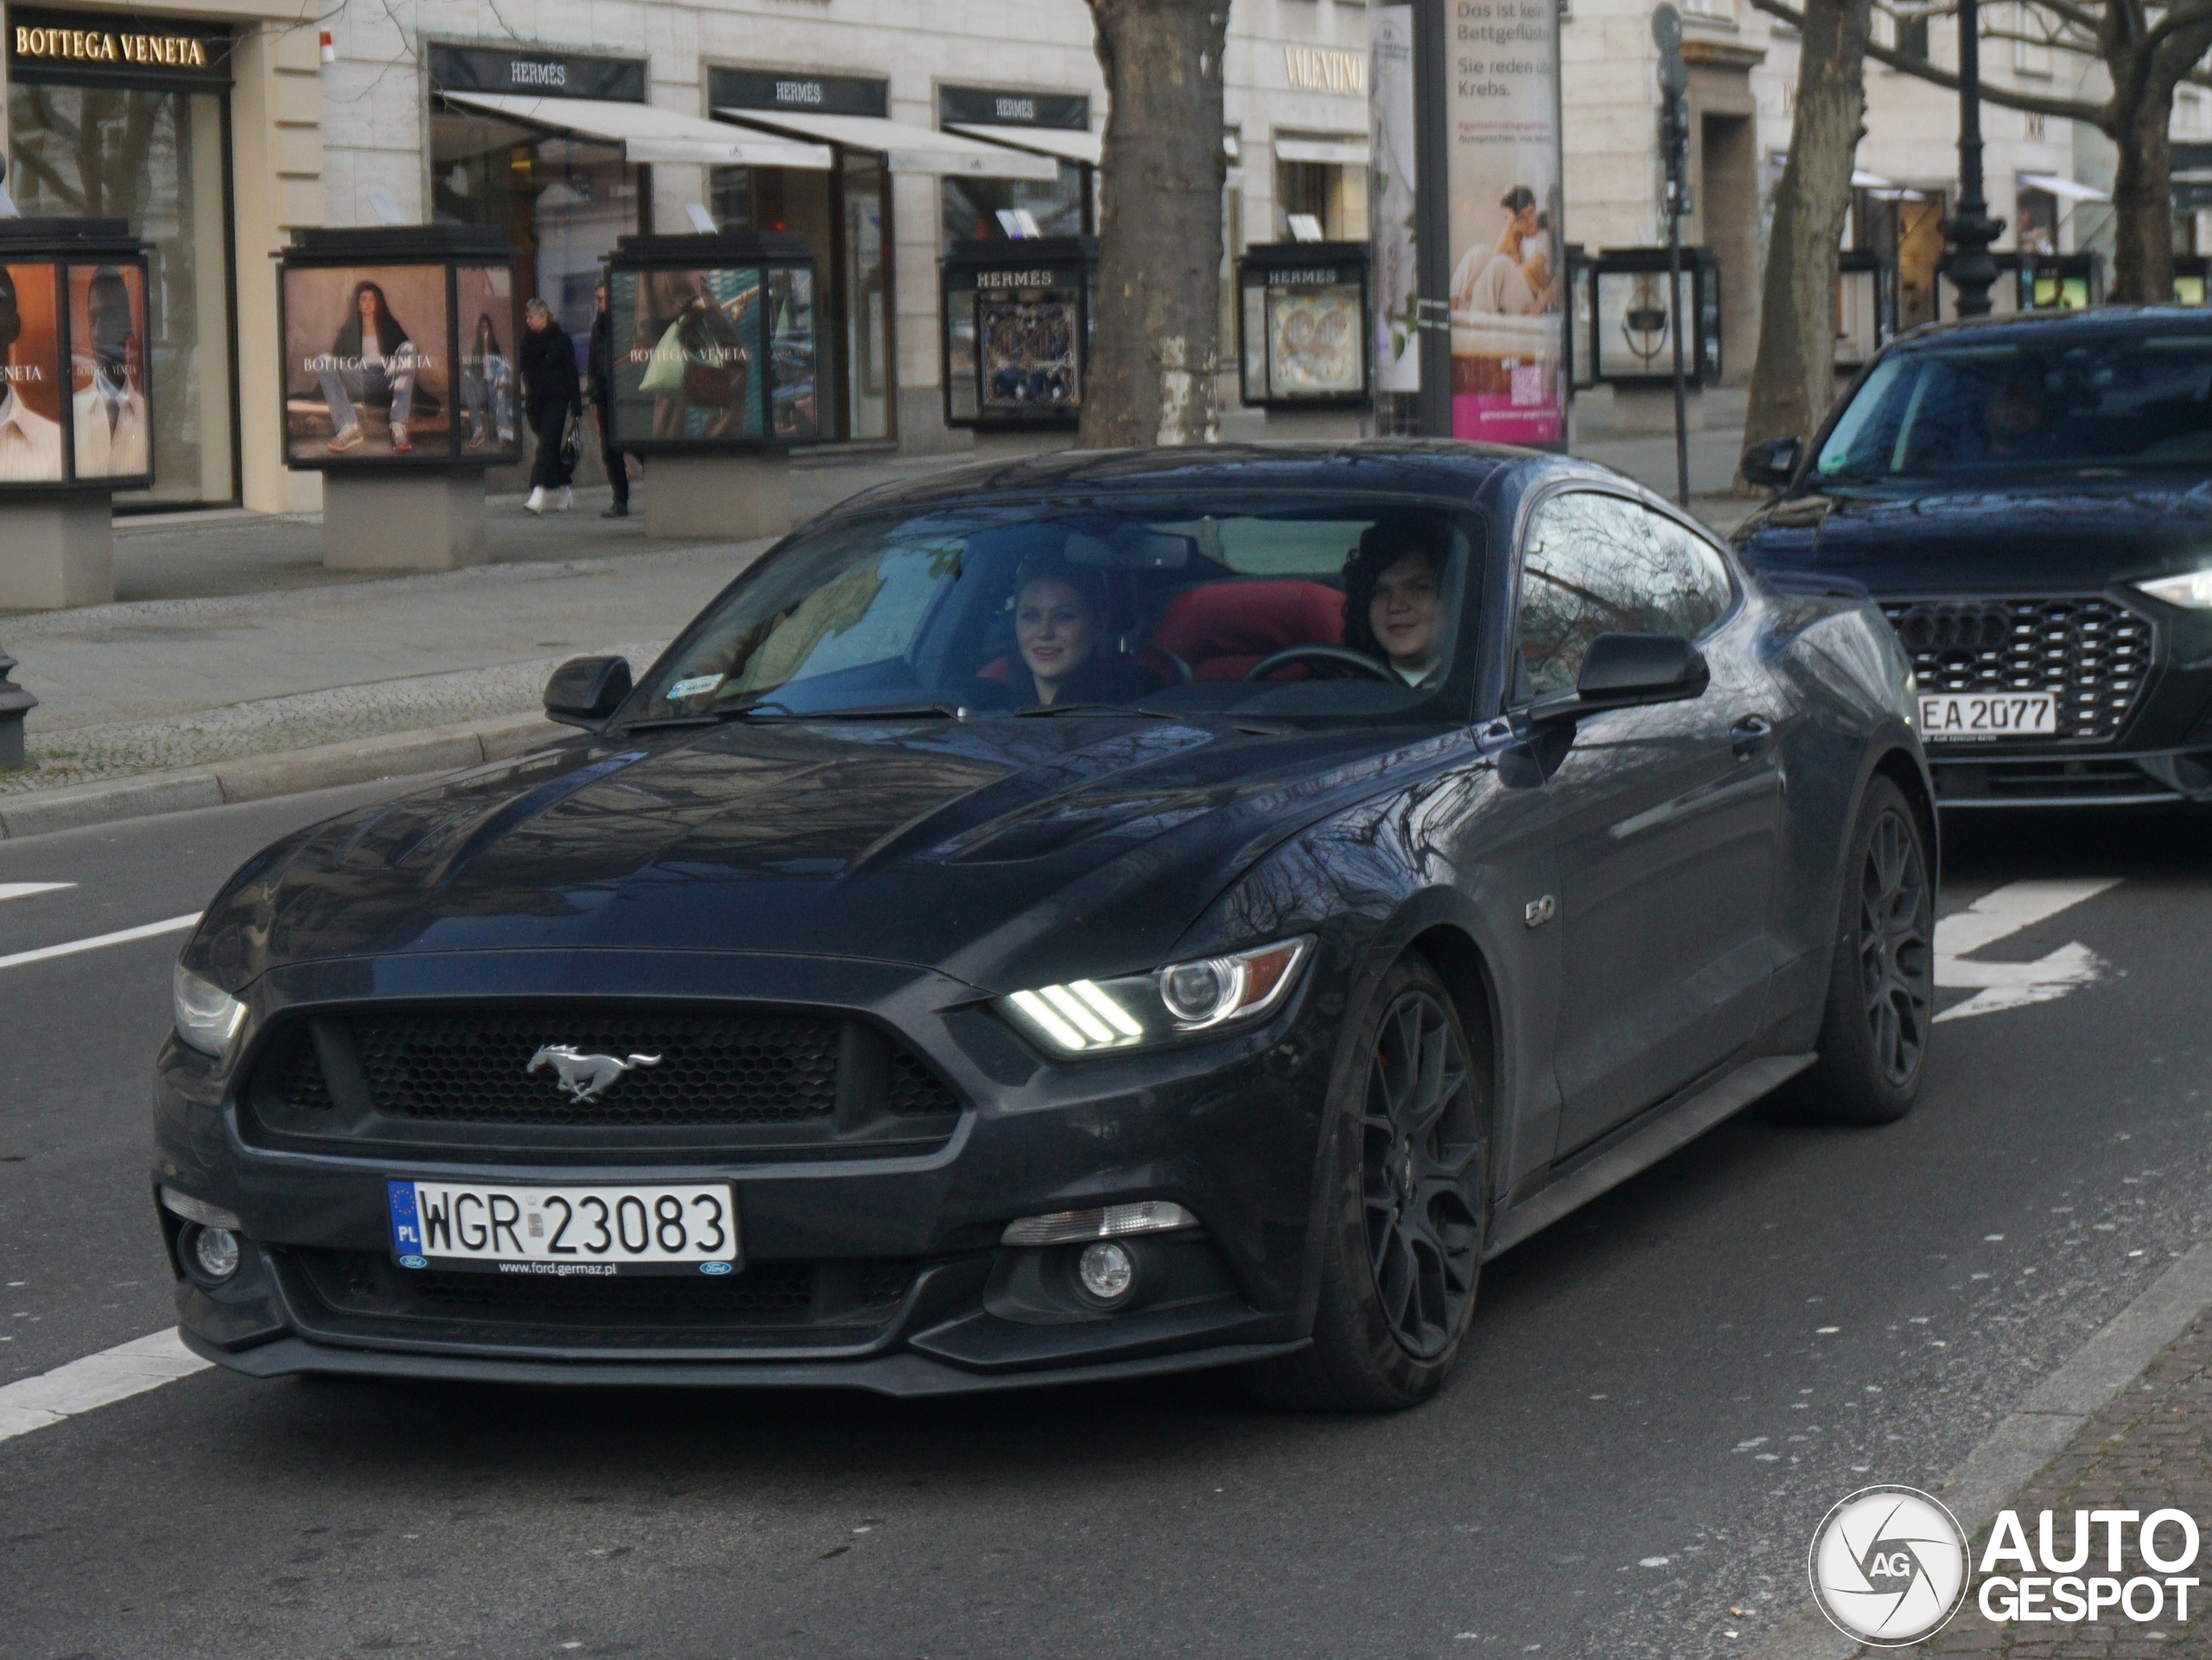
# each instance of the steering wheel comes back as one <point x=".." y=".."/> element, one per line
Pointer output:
<point x="1341" y="657"/>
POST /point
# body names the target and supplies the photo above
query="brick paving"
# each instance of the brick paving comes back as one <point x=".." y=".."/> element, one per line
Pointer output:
<point x="2149" y="1449"/>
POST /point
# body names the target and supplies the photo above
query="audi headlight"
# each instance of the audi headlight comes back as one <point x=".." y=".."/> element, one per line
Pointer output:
<point x="207" y="1017"/>
<point x="1090" y="1017"/>
<point x="2191" y="591"/>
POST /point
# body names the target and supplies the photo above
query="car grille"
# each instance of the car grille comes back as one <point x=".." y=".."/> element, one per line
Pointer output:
<point x="685" y="1067"/>
<point x="2093" y="654"/>
<point x="842" y="1293"/>
<point x="690" y="1068"/>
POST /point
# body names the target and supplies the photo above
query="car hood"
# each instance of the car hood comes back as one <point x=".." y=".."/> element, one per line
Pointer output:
<point x="2080" y="533"/>
<point x="994" y="850"/>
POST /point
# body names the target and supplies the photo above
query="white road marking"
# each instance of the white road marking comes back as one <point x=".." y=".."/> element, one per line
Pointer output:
<point x="2000" y="915"/>
<point x="97" y="1380"/>
<point x="24" y="890"/>
<point x="70" y="948"/>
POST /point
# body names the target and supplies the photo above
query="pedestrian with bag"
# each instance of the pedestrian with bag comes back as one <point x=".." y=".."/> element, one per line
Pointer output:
<point x="600" y="382"/>
<point x="556" y="404"/>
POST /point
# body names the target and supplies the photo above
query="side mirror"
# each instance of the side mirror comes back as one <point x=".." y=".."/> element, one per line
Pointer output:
<point x="1625" y="671"/>
<point x="585" y="691"/>
<point x="1773" y="463"/>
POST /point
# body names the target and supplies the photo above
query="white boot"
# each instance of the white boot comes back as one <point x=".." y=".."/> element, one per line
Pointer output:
<point x="535" y="502"/>
<point x="565" y="500"/>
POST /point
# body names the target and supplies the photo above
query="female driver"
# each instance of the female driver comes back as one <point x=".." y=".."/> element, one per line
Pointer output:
<point x="1060" y="639"/>
<point x="1394" y="600"/>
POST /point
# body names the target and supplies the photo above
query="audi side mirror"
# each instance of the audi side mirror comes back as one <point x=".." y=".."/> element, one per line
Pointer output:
<point x="585" y="691"/>
<point x="1627" y="671"/>
<point x="1773" y="463"/>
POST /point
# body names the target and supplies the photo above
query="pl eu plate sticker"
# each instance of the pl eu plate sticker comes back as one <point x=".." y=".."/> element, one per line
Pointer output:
<point x="406" y="1229"/>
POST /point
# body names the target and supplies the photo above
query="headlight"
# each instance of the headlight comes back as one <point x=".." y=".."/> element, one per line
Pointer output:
<point x="207" y="1017"/>
<point x="2191" y="592"/>
<point x="1088" y="1017"/>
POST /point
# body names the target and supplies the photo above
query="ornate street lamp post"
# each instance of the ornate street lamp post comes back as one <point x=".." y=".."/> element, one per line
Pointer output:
<point x="1970" y="230"/>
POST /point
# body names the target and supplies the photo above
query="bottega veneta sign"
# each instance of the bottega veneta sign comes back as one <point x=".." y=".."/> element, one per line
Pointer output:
<point x="110" y="45"/>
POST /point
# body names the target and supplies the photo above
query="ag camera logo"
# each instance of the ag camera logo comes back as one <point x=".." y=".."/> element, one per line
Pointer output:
<point x="1888" y="1566"/>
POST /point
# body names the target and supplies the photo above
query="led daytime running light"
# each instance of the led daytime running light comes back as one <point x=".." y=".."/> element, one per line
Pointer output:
<point x="2191" y="591"/>
<point x="1110" y="1222"/>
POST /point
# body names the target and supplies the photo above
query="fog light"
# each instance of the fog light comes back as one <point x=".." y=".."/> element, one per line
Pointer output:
<point x="1106" y="1271"/>
<point x="213" y="1253"/>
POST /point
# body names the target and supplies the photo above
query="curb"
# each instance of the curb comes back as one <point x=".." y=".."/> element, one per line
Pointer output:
<point x="262" y="777"/>
<point x="2038" y="1431"/>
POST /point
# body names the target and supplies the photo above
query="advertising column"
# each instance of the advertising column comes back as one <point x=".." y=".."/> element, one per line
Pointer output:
<point x="1502" y="219"/>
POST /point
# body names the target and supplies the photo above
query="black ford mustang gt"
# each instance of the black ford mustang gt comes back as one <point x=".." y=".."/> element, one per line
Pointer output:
<point x="2030" y="501"/>
<point x="1112" y="914"/>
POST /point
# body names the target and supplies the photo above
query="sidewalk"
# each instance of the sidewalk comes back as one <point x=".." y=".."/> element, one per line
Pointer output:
<point x="2148" y="1449"/>
<point x="229" y="640"/>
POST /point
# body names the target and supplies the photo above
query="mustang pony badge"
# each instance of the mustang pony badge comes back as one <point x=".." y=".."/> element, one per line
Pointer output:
<point x="584" y="1076"/>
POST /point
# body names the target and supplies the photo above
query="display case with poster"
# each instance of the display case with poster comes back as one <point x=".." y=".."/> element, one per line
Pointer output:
<point x="1302" y="324"/>
<point x="1017" y="331"/>
<point x="715" y="343"/>
<point x="1632" y="339"/>
<point x="399" y="349"/>
<point x="75" y="407"/>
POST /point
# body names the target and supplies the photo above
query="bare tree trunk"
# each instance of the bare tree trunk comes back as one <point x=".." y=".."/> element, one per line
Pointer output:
<point x="2142" y="197"/>
<point x="1154" y="349"/>
<point x="1794" y="379"/>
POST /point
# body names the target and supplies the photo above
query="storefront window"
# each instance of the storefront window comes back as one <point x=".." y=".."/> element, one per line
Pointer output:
<point x="155" y="159"/>
<point x="563" y="201"/>
<point x="972" y="208"/>
<point x="841" y="217"/>
<point x="868" y="294"/>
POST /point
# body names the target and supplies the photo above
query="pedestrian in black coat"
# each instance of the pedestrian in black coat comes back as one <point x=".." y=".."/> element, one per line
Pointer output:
<point x="552" y="394"/>
<point x="599" y="359"/>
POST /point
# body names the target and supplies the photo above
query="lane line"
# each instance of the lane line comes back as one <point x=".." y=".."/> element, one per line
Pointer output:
<point x="97" y="1380"/>
<point x="1999" y="986"/>
<point x="24" y="890"/>
<point x="174" y="925"/>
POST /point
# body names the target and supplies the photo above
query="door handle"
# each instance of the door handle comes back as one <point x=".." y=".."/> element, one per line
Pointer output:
<point x="1749" y="736"/>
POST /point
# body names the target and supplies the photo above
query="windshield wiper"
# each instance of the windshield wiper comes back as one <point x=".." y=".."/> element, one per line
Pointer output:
<point x="768" y="708"/>
<point x="1043" y="710"/>
<point x="866" y="712"/>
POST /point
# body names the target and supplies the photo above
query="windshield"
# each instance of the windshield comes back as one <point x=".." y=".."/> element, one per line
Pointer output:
<point x="2109" y="401"/>
<point x="1328" y="609"/>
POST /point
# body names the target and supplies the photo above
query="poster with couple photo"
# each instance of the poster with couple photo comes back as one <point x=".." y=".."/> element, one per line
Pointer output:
<point x="366" y="375"/>
<point x="1506" y="224"/>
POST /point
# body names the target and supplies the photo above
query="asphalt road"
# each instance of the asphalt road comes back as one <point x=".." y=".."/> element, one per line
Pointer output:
<point x="1662" y="1395"/>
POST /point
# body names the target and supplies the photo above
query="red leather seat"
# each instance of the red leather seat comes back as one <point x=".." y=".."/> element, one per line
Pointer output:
<point x="1223" y="629"/>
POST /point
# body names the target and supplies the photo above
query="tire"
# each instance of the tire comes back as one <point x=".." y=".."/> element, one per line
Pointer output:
<point x="1873" y="1041"/>
<point x="1397" y="1279"/>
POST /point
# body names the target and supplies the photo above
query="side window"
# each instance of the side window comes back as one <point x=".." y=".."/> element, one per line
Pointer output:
<point x="1597" y="565"/>
<point x="1692" y="589"/>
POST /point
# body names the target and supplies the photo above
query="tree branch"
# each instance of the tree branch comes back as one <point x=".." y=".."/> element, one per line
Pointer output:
<point x="2066" y="109"/>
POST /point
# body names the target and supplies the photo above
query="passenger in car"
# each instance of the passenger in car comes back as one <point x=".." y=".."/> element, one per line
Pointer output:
<point x="1063" y="653"/>
<point x="1393" y="599"/>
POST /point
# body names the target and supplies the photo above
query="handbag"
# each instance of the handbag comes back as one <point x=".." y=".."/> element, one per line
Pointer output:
<point x="572" y="441"/>
<point x="664" y="376"/>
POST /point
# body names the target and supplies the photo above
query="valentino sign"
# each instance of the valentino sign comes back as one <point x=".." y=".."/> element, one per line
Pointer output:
<point x="107" y="45"/>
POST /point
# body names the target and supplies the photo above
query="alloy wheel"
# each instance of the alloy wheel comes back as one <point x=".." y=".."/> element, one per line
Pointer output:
<point x="1421" y="1175"/>
<point x="1896" y="958"/>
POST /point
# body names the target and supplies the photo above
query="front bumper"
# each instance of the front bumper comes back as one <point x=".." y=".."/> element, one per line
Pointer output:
<point x="2071" y="778"/>
<point x="2132" y="680"/>
<point x="874" y="1270"/>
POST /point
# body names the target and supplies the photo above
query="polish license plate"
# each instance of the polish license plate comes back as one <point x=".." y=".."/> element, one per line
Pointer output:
<point x="557" y="1232"/>
<point x="1971" y="717"/>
